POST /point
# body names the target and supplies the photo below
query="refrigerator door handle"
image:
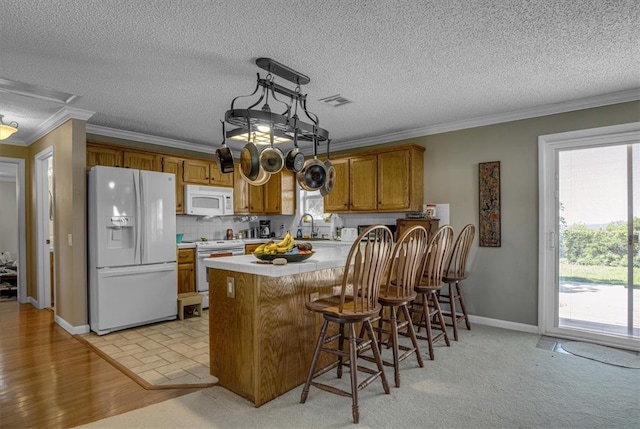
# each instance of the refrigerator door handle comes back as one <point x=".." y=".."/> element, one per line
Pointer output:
<point x="139" y="220"/>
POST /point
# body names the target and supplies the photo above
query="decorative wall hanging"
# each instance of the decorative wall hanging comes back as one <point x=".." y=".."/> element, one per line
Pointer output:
<point x="489" y="180"/>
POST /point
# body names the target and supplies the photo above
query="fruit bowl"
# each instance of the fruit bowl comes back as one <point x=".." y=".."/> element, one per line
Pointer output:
<point x="290" y="257"/>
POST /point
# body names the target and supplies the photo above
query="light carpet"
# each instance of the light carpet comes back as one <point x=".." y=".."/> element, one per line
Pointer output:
<point x="608" y="355"/>
<point x="491" y="378"/>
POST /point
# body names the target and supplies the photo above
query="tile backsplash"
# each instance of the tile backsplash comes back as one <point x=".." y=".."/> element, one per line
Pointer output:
<point x="196" y="227"/>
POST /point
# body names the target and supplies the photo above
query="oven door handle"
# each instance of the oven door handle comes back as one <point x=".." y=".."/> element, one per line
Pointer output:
<point x="221" y="254"/>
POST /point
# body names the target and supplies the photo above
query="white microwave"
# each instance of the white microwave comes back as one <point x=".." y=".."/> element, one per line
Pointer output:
<point x="208" y="200"/>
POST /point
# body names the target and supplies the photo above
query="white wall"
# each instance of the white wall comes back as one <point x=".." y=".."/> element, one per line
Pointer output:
<point x="8" y="218"/>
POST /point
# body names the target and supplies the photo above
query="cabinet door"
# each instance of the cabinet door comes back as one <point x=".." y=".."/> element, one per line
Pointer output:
<point x="338" y="199"/>
<point x="288" y="192"/>
<point x="142" y="161"/>
<point x="186" y="271"/>
<point x="97" y="155"/>
<point x="240" y="193"/>
<point x="196" y="171"/>
<point x="173" y="165"/>
<point x="394" y="181"/>
<point x="273" y="194"/>
<point x="256" y="199"/>
<point x="363" y="183"/>
<point x="218" y="178"/>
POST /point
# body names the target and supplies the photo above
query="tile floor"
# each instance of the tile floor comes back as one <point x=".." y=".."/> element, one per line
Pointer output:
<point x="166" y="353"/>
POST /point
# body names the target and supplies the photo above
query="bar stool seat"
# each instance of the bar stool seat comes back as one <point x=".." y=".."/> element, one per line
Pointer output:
<point x="187" y="299"/>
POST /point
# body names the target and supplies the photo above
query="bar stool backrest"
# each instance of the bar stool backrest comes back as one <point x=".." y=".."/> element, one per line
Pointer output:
<point x="366" y="266"/>
<point x="458" y="260"/>
<point x="436" y="257"/>
<point x="406" y="263"/>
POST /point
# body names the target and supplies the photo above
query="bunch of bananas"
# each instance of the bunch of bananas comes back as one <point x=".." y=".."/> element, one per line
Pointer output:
<point x="272" y="248"/>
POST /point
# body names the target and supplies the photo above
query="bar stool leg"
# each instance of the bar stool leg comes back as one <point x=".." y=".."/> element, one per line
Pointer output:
<point x="314" y="361"/>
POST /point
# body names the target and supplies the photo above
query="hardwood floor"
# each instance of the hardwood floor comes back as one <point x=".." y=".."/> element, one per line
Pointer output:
<point x="50" y="379"/>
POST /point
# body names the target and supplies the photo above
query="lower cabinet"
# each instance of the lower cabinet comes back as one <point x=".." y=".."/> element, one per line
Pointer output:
<point x="186" y="270"/>
<point x="431" y="225"/>
<point x="250" y="247"/>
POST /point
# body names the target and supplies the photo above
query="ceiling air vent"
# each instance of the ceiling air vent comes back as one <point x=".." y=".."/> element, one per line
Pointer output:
<point x="336" y="100"/>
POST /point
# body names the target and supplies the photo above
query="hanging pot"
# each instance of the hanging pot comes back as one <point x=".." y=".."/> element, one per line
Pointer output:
<point x="294" y="161"/>
<point x="225" y="157"/>
<point x="261" y="178"/>
<point x="313" y="175"/>
<point x="331" y="175"/>
<point x="250" y="161"/>
<point x="272" y="159"/>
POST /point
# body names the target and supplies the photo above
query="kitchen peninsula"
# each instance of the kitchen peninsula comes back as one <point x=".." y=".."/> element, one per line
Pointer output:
<point x="261" y="337"/>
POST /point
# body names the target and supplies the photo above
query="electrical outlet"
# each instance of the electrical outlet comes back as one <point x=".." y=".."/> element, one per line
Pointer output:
<point x="70" y="239"/>
<point x="231" y="287"/>
<point x="314" y="296"/>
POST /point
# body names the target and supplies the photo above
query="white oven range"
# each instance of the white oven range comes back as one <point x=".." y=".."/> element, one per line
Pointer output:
<point x="212" y="249"/>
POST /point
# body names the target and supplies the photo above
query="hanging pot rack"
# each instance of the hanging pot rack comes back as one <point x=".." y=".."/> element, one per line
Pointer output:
<point x="282" y="126"/>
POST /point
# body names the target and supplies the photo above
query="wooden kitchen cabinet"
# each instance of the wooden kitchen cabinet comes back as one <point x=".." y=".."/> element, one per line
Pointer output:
<point x="277" y="196"/>
<point x="114" y="157"/>
<point x="99" y="155"/>
<point x="390" y="180"/>
<point x="363" y="183"/>
<point x="280" y="193"/>
<point x="431" y="225"/>
<point x="250" y="247"/>
<point x="186" y="270"/>
<point x="397" y="172"/>
<point x="171" y="164"/>
<point x="240" y="193"/>
<point x="142" y="161"/>
<point x="202" y="172"/>
<point x="338" y="199"/>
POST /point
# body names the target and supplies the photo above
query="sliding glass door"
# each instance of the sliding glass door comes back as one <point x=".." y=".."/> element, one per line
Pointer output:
<point x="591" y="276"/>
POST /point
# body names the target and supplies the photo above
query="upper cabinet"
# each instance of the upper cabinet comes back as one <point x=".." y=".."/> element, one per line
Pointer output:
<point x="203" y="172"/>
<point x="386" y="180"/>
<point x="280" y="193"/>
<point x="116" y="157"/>
<point x="277" y="196"/>
<point x="100" y="155"/>
<point x="142" y="161"/>
<point x="172" y="164"/>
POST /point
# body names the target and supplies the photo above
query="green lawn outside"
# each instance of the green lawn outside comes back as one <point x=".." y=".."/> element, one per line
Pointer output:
<point x="597" y="274"/>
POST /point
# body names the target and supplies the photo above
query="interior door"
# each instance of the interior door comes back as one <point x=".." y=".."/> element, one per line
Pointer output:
<point x="590" y="263"/>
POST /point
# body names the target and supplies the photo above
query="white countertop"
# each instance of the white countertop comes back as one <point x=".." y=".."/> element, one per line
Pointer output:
<point x="324" y="258"/>
<point x="186" y="245"/>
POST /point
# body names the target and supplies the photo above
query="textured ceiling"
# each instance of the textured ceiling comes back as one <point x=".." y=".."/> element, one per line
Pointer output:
<point x="170" y="68"/>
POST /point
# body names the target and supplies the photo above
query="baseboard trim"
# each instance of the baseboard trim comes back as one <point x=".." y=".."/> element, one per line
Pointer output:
<point x="514" y="326"/>
<point x="73" y="330"/>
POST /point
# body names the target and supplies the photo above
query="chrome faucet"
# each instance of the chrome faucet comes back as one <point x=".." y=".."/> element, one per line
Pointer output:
<point x="314" y="232"/>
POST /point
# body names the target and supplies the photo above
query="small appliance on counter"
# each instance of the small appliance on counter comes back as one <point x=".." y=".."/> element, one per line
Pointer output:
<point x="348" y="234"/>
<point x="265" y="229"/>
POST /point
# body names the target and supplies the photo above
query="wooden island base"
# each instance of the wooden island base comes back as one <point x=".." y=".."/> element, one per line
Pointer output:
<point x="261" y="335"/>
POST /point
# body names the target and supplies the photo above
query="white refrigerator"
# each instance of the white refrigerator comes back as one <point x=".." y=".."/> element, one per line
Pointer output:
<point x="132" y="248"/>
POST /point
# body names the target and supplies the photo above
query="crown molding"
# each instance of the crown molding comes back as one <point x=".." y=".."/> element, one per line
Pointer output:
<point x="550" y="109"/>
<point x="145" y="138"/>
<point x="60" y="117"/>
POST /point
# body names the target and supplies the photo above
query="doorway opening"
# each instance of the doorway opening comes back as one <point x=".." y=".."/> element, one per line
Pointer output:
<point x="589" y="222"/>
<point x="14" y="242"/>
<point x="45" y="231"/>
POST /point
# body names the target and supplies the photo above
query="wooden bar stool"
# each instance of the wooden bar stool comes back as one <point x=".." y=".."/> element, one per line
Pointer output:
<point x="187" y="299"/>
<point x="397" y="293"/>
<point x="427" y="307"/>
<point x="453" y="276"/>
<point x="357" y="303"/>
